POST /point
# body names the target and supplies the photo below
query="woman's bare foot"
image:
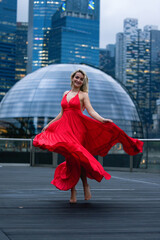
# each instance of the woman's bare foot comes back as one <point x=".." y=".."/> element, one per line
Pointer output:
<point x="87" y="192"/>
<point x="73" y="198"/>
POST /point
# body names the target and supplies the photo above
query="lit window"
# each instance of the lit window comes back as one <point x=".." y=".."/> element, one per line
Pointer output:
<point x="91" y="5"/>
<point x="63" y="7"/>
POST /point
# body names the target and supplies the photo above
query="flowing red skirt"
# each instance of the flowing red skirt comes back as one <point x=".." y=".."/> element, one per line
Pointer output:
<point x="78" y="138"/>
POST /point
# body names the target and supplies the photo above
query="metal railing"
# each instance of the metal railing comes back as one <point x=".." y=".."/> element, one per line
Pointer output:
<point x="11" y="145"/>
<point x="22" y="150"/>
<point x="22" y="145"/>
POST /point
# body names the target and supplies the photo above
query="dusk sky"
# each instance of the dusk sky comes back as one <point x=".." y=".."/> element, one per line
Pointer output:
<point x="113" y="12"/>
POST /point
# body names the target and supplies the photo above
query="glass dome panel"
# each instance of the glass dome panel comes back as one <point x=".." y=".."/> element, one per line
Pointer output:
<point x="38" y="96"/>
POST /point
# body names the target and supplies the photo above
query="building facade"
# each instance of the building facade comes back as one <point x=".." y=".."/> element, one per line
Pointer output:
<point x="107" y="59"/>
<point x="119" y="58"/>
<point x="74" y="35"/>
<point x="8" y="12"/>
<point x="135" y="51"/>
<point x="156" y="120"/>
<point x="155" y="70"/>
<point x="130" y="52"/>
<point x="21" y="50"/>
<point x="40" y="14"/>
<point x="111" y="49"/>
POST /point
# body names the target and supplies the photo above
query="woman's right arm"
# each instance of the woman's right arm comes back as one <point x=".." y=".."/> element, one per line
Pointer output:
<point x="56" y="118"/>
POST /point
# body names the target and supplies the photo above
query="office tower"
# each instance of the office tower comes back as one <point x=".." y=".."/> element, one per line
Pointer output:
<point x="40" y="14"/>
<point x="156" y="120"/>
<point x="130" y="52"/>
<point x="127" y="53"/>
<point x="8" y="12"/>
<point x="21" y="50"/>
<point x="74" y="36"/>
<point x="146" y="94"/>
<point x="141" y="87"/>
<point x="155" y="68"/>
<point x="145" y="90"/>
<point x="138" y="68"/>
<point x="119" y="59"/>
<point x="111" y="49"/>
<point x="107" y="59"/>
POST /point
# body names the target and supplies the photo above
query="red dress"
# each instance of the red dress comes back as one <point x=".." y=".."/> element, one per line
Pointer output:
<point x="78" y="138"/>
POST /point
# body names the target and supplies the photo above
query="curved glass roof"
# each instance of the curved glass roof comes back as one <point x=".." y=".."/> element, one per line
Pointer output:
<point x="39" y="94"/>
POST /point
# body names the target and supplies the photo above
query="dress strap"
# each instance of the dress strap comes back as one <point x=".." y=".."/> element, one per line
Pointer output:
<point x="68" y="92"/>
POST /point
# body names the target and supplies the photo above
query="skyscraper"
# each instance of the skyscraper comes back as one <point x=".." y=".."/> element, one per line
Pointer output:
<point x="131" y="51"/>
<point x="40" y="14"/>
<point x="119" y="59"/>
<point x="156" y="120"/>
<point x="21" y="50"/>
<point x="155" y="68"/>
<point x="127" y="53"/>
<point x="137" y="54"/>
<point x="75" y="33"/>
<point x="8" y="11"/>
<point x="111" y="49"/>
<point x="107" y="59"/>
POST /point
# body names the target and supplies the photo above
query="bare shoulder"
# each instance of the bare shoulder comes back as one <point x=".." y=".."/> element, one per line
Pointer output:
<point x="65" y="93"/>
<point x="84" y="94"/>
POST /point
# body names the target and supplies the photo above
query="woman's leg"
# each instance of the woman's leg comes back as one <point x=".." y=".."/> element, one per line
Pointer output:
<point x="87" y="192"/>
<point x="73" y="198"/>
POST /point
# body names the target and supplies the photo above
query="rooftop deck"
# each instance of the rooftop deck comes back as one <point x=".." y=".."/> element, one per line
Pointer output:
<point x="125" y="208"/>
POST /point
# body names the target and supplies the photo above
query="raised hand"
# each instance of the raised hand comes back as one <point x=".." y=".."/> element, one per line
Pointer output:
<point x="44" y="129"/>
<point x="107" y="120"/>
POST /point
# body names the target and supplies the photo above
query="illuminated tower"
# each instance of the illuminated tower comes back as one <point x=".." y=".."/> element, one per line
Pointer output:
<point x="40" y="14"/>
<point x="75" y="33"/>
<point x="8" y="12"/>
<point x="138" y="67"/>
<point x="21" y="50"/>
<point x="155" y="71"/>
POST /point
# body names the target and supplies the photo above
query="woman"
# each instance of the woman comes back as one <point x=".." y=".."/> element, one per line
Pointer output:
<point x="79" y="137"/>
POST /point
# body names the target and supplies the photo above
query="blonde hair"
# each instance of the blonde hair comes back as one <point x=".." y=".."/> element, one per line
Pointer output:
<point x="84" y="87"/>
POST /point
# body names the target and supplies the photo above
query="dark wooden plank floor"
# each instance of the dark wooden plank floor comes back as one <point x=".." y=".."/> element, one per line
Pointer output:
<point x="127" y="207"/>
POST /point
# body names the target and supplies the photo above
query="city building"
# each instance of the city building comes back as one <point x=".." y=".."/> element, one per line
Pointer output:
<point x="21" y="50"/>
<point x="141" y="86"/>
<point x="111" y="49"/>
<point x="74" y="36"/>
<point x="130" y="52"/>
<point x="34" y="100"/>
<point x="155" y="69"/>
<point x="135" y="51"/>
<point x="40" y="14"/>
<point x="107" y="59"/>
<point x="8" y="12"/>
<point x="156" y="120"/>
<point x="119" y="58"/>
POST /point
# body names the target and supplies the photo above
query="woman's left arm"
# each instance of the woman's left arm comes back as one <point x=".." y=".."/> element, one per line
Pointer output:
<point x="91" y="111"/>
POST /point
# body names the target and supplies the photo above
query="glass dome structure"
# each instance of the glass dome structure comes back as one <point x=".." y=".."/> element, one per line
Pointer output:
<point x="33" y="101"/>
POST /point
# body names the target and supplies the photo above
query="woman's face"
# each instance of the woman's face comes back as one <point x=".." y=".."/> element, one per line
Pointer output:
<point x="77" y="80"/>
